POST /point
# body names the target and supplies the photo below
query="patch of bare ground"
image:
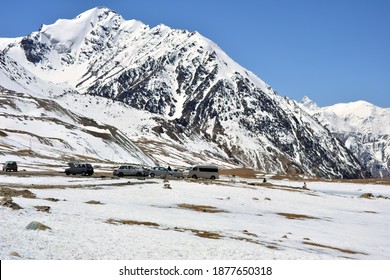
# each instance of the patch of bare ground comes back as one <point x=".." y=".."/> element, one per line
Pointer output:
<point x="197" y="232"/>
<point x="377" y="181"/>
<point x="370" y="212"/>
<point x="2" y="145"/>
<point x="15" y="254"/>
<point x="216" y="235"/>
<point x="249" y="240"/>
<point x="367" y="195"/>
<point x="200" y="208"/>
<point x="3" y="134"/>
<point x="42" y="208"/>
<point x="14" y="193"/>
<point x="249" y="233"/>
<point x="289" y="177"/>
<point x="8" y="202"/>
<point x="278" y="187"/>
<point x="373" y="181"/>
<point x="25" y="151"/>
<point x="87" y="186"/>
<point x="239" y="172"/>
<point x="52" y="199"/>
<point x="48" y="186"/>
<point x="94" y="202"/>
<point x="296" y="216"/>
<point x="333" y="248"/>
<point x="371" y="196"/>
<point x="260" y="184"/>
<point x="131" y="222"/>
<point x="200" y="233"/>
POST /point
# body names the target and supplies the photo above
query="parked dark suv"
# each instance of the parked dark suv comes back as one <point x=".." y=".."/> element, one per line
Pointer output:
<point x="79" y="168"/>
<point x="10" y="166"/>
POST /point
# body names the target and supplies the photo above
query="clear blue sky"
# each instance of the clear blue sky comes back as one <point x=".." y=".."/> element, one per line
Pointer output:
<point x="330" y="50"/>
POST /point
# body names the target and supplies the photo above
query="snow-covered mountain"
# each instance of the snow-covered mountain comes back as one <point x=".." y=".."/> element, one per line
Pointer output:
<point x="39" y="130"/>
<point x="175" y="93"/>
<point x="362" y="127"/>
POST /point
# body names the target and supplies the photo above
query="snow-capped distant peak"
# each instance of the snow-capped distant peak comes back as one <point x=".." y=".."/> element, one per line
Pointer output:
<point x="73" y="31"/>
<point x="98" y="13"/>
<point x="363" y="115"/>
<point x="309" y="104"/>
<point x="363" y="128"/>
<point x="360" y="108"/>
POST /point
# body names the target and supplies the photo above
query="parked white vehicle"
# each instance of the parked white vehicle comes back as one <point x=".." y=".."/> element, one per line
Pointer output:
<point x="160" y="171"/>
<point x="178" y="173"/>
<point x="128" y="170"/>
<point x="203" y="171"/>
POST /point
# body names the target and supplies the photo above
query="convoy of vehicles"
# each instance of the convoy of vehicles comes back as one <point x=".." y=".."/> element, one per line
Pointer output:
<point x="86" y="169"/>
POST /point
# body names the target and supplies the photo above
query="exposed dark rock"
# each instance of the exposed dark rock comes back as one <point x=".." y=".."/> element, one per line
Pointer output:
<point x="8" y="202"/>
<point x="34" y="225"/>
<point x="15" y="254"/>
<point x="367" y="195"/>
<point x="33" y="49"/>
<point x="43" y="208"/>
<point x="94" y="202"/>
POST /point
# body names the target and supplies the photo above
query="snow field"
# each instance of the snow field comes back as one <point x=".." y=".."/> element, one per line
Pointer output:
<point x="163" y="224"/>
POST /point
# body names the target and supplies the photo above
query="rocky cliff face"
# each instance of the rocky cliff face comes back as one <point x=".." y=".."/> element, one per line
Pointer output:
<point x="193" y="91"/>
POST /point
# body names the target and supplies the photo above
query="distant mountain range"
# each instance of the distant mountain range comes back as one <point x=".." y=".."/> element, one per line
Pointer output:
<point x="158" y="96"/>
<point x="362" y="127"/>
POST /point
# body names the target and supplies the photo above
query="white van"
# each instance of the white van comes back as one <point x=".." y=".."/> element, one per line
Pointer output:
<point x="203" y="171"/>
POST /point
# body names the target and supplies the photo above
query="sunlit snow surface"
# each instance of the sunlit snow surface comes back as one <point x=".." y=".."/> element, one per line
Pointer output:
<point x="250" y="220"/>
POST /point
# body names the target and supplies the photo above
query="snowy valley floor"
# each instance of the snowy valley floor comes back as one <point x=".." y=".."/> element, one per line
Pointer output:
<point x="232" y="218"/>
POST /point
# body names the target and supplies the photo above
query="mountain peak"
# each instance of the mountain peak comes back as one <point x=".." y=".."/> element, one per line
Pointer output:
<point x="308" y="103"/>
<point x="200" y="98"/>
<point x="358" y="108"/>
<point x="96" y="12"/>
<point x="89" y="18"/>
